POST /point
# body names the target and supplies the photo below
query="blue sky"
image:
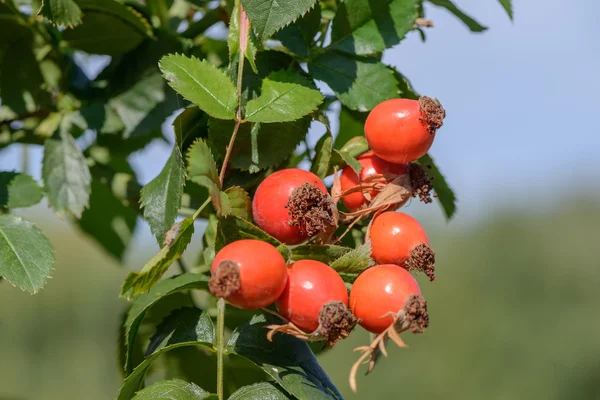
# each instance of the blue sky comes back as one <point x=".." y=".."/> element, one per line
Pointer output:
<point x="520" y="97"/>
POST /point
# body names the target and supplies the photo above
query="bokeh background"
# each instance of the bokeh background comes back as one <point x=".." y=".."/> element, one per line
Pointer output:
<point x="515" y="309"/>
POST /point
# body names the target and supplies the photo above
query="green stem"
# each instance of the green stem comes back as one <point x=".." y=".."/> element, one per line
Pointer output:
<point x="199" y="210"/>
<point x="220" y="345"/>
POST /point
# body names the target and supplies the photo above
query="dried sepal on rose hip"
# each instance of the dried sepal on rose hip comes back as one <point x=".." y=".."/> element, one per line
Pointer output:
<point x="403" y="130"/>
<point x="397" y="238"/>
<point x="315" y="304"/>
<point x="292" y="205"/>
<point x="248" y="274"/>
<point x="387" y="300"/>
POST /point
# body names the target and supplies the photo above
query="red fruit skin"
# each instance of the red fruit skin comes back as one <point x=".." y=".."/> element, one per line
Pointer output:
<point x="263" y="272"/>
<point x="395" y="132"/>
<point x="393" y="235"/>
<point x="310" y="285"/>
<point x="371" y="165"/>
<point x="271" y="197"/>
<point x="378" y="291"/>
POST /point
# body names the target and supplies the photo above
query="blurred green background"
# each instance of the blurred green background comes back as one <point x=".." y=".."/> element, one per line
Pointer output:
<point x="514" y="315"/>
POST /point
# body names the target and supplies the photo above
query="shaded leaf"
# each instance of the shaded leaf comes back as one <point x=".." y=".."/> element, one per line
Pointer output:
<point x="26" y="255"/>
<point x="177" y="239"/>
<point x="160" y="198"/>
<point x="288" y="360"/>
<point x="108" y="220"/>
<point x="127" y="28"/>
<point x="367" y="27"/>
<point x="259" y="391"/>
<point x="351" y="125"/>
<point x="174" y="389"/>
<point x="203" y="171"/>
<point x="406" y="89"/>
<point x="323" y="150"/>
<point x="191" y="124"/>
<point x="299" y="36"/>
<point x="233" y="228"/>
<point x="142" y="303"/>
<point x="185" y="327"/>
<point x="65" y="172"/>
<point x="240" y="202"/>
<point x="61" y="12"/>
<point x="444" y="193"/>
<point x="323" y="253"/>
<point x="285" y="96"/>
<point x="269" y="16"/>
<point x="351" y="264"/>
<point x="348" y="153"/>
<point x="275" y="142"/>
<point x="19" y="190"/>
<point x="201" y="83"/>
<point x="473" y="25"/>
<point x="360" y="83"/>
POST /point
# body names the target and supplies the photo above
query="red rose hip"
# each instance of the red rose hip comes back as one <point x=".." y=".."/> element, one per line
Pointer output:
<point x="292" y="205"/>
<point x="249" y="274"/>
<point x="311" y="284"/>
<point x="397" y="238"/>
<point x="403" y="130"/>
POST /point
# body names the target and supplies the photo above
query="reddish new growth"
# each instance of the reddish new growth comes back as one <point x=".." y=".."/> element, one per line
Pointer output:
<point x="415" y="313"/>
<point x="420" y="182"/>
<point x="422" y="258"/>
<point x="311" y="210"/>
<point x="433" y="113"/>
<point x="225" y="280"/>
<point x="336" y="322"/>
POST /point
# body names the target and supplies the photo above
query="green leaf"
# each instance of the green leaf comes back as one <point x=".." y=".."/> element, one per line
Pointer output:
<point x="444" y="193"/>
<point x="269" y="16"/>
<point x="360" y="83"/>
<point x="275" y="142"/>
<point x="240" y="202"/>
<point x="241" y="35"/>
<point x="201" y="83"/>
<point x="177" y="239"/>
<point x="66" y="174"/>
<point x="144" y="106"/>
<point x="174" y="389"/>
<point x="61" y="12"/>
<point x="406" y="89"/>
<point x="285" y="96"/>
<point x="259" y="391"/>
<point x="26" y="255"/>
<point x="191" y="124"/>
<point x="127" y="28"/>
<point x="110" y="222"/>
<point x="19" y="190"/>
<point x="351" y="125"/>
<point x="323" y="150"/>
<point x="368" y="27"/>
<point x="142" y="303"/>
<point x="233" y="228"/>
<point x="288" y="360"/>
<point x="348" y="153"/>
<point x="185" y="327"/>
<point x="299" y="36"/>
<point x="323" y="253"/>
<point x="203" y="171"/>
<point x="473" y="25"/>
<point x="351" y="264"/>
<point x="507" y="5"/>
<point x="161" y="197"/>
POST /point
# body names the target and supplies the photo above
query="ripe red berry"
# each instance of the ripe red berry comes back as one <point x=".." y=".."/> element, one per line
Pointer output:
<point x="283" y="203"/>
<point x="379" y="291"/>
<point x="249" y="274"/>
<point x="311" y="284"/>
<point x="372" y="166"/>
<point x="402" y="130"/>
<point x="398" y="238"/>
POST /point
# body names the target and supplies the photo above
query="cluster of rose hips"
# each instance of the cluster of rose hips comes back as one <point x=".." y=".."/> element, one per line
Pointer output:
<point x="294" y="206"/>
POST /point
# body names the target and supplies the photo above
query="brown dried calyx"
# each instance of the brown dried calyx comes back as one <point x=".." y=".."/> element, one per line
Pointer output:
<point x="311" y="210"/>
<point x="413" y="316"/>
<point x="420" y="182"/>
<point x="432" y="113"/>
<point x="336" y="322"/>
<point x="225" y="280"/>
<point x="422" y="258"/>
